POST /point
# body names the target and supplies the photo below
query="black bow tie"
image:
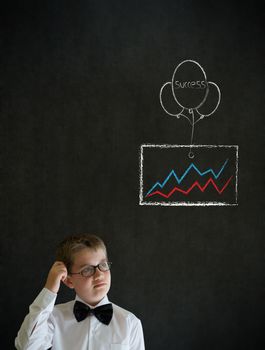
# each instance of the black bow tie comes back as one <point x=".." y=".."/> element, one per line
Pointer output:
<point x="103" y="313"/>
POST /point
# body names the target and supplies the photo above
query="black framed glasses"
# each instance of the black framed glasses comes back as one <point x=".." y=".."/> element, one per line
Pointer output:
<point x="90" y="270"/>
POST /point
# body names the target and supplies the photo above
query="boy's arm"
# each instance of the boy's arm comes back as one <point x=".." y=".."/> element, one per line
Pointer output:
<point x="37" y="330"/>
<point x="137" y="336"/>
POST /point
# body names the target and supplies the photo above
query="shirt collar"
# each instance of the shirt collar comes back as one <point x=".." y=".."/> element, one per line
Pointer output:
<point x="104" y="301"/>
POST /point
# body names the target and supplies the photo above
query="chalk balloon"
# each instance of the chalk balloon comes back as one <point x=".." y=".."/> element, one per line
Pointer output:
<point x="212" y="102"/>
<point x="189" y="85"/>
<point x="168" y="102"/>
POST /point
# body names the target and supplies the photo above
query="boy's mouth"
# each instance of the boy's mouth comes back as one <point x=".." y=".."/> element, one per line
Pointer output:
<point x="101" y="284"/>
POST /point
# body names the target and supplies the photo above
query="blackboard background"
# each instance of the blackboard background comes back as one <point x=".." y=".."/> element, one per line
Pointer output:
<point x="80" y="85"/>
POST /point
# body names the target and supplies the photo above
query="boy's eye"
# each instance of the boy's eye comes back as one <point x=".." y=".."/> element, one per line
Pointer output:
<point x="104" y="265"/>
<point x="88" y="271"/>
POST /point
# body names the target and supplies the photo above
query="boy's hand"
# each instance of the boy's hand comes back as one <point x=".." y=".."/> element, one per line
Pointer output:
<point x="57" y="273"/>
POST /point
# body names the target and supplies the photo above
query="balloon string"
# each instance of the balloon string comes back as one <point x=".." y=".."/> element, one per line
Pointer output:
<point x="191" y="154"/>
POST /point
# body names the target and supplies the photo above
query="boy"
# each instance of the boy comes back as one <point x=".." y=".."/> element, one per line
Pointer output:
<point x="90" y="322"/>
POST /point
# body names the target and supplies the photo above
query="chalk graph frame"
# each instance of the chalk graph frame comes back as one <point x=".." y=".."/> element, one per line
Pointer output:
<point x="184" y="203"/>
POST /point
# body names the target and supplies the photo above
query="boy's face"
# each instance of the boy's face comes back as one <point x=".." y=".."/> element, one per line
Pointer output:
<point x="90" y="289"/>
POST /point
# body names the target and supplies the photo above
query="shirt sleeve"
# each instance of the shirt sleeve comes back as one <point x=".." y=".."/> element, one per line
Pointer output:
<point x="137" y="336"/>
<point x="36" y="331"/>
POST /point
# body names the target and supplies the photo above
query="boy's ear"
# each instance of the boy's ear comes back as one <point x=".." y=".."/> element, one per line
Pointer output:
<point x="68" y="282"/>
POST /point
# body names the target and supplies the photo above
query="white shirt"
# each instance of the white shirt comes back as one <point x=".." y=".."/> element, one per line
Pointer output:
<point x="54" y="326"/>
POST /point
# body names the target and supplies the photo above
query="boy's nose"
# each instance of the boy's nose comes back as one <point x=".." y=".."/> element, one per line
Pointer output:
<point x="98" y="273"/>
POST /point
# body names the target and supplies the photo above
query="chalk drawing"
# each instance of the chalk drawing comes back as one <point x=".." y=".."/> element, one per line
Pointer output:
<point x="190" y="90"/>
<point x="191" y="184"/>
<point x="180" y="179"/>
<point x="189" y="175"/>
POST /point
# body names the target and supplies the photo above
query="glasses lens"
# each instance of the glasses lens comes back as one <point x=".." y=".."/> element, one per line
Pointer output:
<point x="88" y="271"/>
<point x="104" y="266"/>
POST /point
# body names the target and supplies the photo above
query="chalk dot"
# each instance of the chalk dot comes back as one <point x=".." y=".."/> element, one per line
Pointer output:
<point x="191" y="155"/>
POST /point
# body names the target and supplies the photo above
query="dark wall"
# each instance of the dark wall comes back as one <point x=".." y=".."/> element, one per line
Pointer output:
<point x="80" y="94"/>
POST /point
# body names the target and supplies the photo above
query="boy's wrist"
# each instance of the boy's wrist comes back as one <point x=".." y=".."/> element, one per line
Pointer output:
<point x="50" y="291"/>
<point x="51" y="288"/>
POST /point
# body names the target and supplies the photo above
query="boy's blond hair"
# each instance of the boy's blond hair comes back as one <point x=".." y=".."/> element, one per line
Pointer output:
<point x="73" y="244"/>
